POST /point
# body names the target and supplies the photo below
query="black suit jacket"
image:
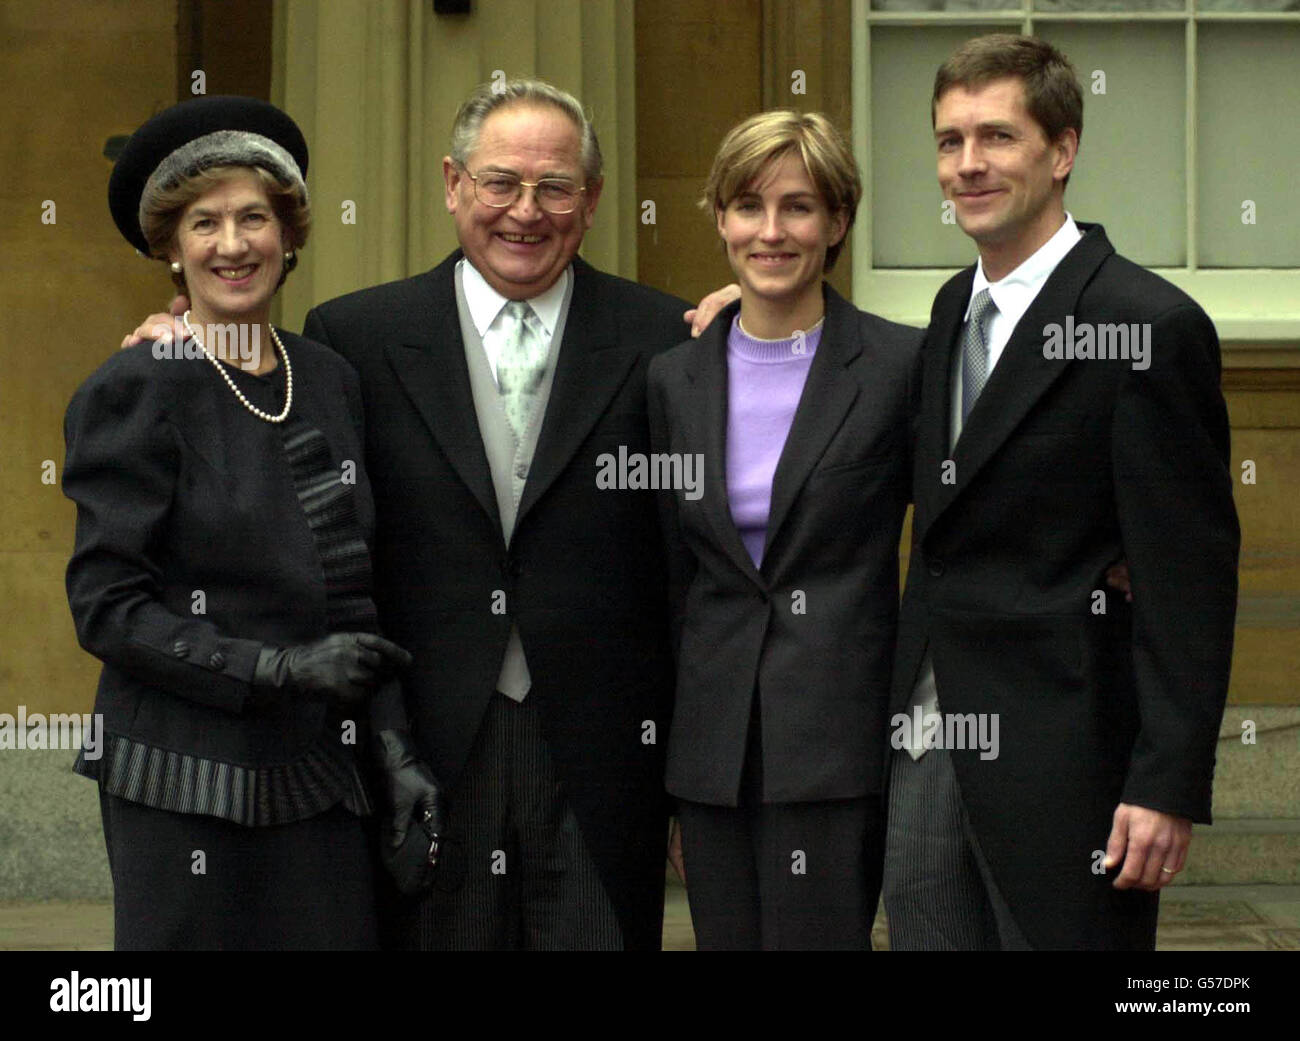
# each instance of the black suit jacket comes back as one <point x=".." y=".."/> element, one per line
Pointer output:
<point x="179" y="489"/>
<point x="1063" y="467"/>
<point x="583" y="576"/>
<point x="811" y="632"/>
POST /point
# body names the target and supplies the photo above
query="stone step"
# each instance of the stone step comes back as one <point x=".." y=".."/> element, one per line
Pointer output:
<point x="1257" y="776"/>
<point x="1244" y="851"/>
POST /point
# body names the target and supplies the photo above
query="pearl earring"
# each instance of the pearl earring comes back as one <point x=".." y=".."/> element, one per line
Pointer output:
<point x="176" y="267"/>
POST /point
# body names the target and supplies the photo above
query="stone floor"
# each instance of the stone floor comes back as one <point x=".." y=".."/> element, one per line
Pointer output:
<point x="1192" y="918"/>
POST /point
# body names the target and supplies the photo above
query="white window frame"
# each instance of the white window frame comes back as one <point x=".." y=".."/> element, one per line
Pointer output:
<point x="1252" y="304"/>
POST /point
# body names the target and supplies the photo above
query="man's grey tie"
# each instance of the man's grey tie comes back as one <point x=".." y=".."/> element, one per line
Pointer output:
<point x="975" y="350"/>
<point x="521" y="365"/>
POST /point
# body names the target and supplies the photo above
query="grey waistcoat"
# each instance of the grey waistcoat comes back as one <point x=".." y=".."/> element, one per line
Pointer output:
<point x="508" y="458"/>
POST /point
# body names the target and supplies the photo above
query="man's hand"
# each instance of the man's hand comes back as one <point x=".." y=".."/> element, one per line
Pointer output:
<point x="1117" y="578"/>
<point x="703" y="313"/>
<point x="675" y="850"/>
<point x="158" y="326"/>
<point x="1152" y="845"/>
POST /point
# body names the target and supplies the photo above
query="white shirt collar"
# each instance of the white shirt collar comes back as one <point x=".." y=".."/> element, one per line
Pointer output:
<point x="485" y="303"/>
<point x="1014" y="293"/>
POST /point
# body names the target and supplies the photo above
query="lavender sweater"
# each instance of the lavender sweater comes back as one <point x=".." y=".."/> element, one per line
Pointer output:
<point x="765" y="379"/>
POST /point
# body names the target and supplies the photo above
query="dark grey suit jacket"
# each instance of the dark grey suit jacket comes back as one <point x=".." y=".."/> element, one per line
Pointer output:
<point x="812" y="630"/>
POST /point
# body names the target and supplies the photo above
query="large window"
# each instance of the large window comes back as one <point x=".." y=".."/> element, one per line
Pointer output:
<point x="1189" y="155"/>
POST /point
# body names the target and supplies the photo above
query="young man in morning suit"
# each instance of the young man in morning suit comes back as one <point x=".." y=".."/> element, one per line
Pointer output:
<point x="1035" y="470"/>
<point x="533" y="601"/>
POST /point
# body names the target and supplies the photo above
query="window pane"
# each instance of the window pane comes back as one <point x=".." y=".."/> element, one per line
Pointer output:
<point x="1129" y="175"/>
<point x="1248" y="5"/>
<point x="907" y="230"/>
<point x="1248" y="142"/>
<point x="1110" y="5"/>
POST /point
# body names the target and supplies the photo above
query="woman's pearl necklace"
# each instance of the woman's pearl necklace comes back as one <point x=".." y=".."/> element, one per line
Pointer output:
<point x="288" y="374"/>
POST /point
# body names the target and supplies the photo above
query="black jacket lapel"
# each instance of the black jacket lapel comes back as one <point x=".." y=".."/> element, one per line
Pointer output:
<point x="827" y="396"/>
<point x="946" y="319"/>
<point x="707" y="374"/>
<point x="588" y="373"/>
<point x="430" y="365"/>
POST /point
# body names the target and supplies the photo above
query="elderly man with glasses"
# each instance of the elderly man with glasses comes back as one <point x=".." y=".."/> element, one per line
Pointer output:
<point x="532" y="599"/>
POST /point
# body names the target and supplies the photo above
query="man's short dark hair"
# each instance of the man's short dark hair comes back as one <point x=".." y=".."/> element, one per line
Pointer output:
<point x="1053" y="96"/>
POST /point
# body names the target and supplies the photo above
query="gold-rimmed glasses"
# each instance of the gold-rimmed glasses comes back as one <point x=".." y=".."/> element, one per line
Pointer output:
<point x="556" y="195"/>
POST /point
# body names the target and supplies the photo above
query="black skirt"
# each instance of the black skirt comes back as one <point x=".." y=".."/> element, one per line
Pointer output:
<point x="194" y="882"/>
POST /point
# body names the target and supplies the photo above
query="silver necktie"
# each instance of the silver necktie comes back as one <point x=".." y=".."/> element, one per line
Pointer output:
<point x="521" y="364"/>
<point x="975" y="351"/>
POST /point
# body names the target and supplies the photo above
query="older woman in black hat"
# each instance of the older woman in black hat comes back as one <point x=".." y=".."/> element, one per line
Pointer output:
<point x="221" y="569"/>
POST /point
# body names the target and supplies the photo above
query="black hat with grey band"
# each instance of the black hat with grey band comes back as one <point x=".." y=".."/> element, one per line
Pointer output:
<point x="195" y="135"/>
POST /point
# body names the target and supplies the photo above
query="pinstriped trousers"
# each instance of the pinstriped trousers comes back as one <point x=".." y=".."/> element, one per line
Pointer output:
<point x="939" y="892"/>
<point x="521" y="876"/>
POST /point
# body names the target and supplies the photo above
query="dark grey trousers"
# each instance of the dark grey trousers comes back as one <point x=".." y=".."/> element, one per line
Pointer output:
<point x="792" y="876"/>
<point x="939" y="892"/>
<point x="516" y="874"/>
<point x="781" y="876"/>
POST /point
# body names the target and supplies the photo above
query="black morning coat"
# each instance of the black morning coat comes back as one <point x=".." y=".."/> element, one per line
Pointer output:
<point x="810" y="632"/>
<point x="584" y="576"/>
<point x="1063" y="467"/>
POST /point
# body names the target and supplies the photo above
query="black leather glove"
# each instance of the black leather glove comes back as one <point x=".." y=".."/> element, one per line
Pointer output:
<point x="413" y="792"/>
<point x="342" y="666"/>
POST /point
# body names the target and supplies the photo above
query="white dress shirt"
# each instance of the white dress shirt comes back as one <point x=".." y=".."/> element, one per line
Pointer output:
<point x="486" y="304"/>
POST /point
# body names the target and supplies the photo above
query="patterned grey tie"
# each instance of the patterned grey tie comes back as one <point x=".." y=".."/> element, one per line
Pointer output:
<point x="975" y="351"/>
<point x="521" y="365"/>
